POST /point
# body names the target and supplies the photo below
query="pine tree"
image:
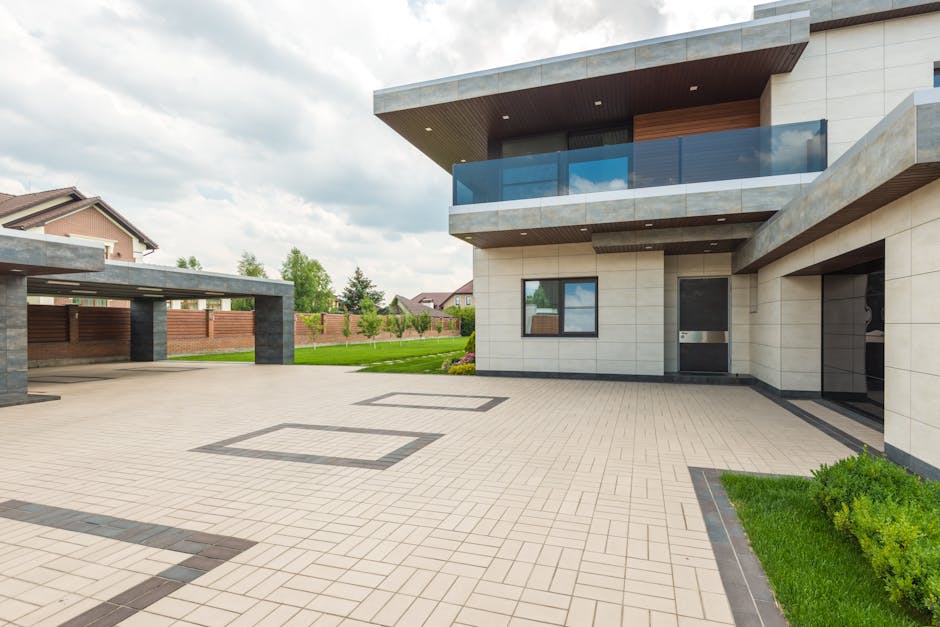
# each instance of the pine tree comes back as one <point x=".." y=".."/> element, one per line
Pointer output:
<point x="358" y="289"/>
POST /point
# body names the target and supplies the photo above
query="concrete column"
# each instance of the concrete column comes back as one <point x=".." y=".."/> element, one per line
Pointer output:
<point x="148" y="330"/>
<point x="13" y="360"/>
<point x="274" y="329"/>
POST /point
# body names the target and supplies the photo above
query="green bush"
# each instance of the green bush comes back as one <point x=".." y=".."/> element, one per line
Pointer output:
<point x="471" y="343"/>
<point x="463" y="369"/>
<point x="467" y="317"/>
<point x="896" y="519"/>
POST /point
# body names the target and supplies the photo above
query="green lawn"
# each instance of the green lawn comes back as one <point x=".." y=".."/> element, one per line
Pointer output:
<point x="430" y="364"/>
<point x="354" y="354"/>
<point x="818" y="575"/>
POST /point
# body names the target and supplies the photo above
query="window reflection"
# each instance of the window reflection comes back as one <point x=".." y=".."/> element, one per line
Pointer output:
<point x="560" y="307"/>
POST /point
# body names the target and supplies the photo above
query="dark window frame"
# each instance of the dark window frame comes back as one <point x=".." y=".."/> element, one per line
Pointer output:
<point x="562" y="281"/>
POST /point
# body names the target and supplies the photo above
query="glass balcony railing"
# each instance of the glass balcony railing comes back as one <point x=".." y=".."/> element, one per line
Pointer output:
<point x="737" y="154"/>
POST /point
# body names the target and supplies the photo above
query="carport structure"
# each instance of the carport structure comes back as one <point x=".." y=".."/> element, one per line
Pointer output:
<point x="49" y="265"/>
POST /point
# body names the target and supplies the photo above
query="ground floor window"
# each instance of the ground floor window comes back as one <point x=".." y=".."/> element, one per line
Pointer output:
<point x="560" y="307"/>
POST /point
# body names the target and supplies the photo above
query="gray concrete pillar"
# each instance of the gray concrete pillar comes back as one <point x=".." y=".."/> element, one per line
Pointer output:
<point x="13" y="359"/>
<point x="274" y="329"/>
<point x="148" y="330"/>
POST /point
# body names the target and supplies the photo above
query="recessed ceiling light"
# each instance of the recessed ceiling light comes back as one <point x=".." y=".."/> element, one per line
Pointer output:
<point x="53" y="282"/>
<point x="428" y="129"/>
<point x="713" y="244"/>
<point x="707" y="251"/>
<point x="693" y="88"/>
<point x="649" y="248"/>
<point x="523" y="233"/>
<point x="598" y="103"/>
<point x="583" y="229"/>
<point x="648" y="224"/>
<point x="722" y="219"/>
<point x="463" y="161"/>
<point x="505" y="116"/>
<point x="15" y="270"/>
<point x="468" y="238"/>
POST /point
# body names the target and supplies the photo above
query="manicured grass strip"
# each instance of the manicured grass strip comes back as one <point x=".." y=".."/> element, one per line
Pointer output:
<point x="426" y="365"/>
<point x="819" y="576"/>
<point x="353" y="355"/>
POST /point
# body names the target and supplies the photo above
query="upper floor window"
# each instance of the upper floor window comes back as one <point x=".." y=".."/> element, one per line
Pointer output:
<point x="560" y="307"/>
<point x="468" y="300"/>
<point x="936" y="76"/>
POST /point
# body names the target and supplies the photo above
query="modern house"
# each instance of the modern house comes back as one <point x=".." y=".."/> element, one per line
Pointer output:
<point x="461" y="297"/>
<point x="754" y="200"/>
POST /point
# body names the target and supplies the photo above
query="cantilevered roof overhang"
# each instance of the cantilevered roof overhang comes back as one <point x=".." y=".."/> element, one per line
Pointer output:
<point x="899" y="155"/>
<point x="829" y="14"/>
<point x="124" y="280"/>
<point x="465" y="112"/>
<point x="27" y="254"/>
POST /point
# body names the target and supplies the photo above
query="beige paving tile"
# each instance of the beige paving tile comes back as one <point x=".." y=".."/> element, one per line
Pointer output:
<point x="570" y="503"/>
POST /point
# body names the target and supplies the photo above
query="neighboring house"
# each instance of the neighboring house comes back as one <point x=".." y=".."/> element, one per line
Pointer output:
<point x="67" y="212"/>
<point x="434" y="300"/>
<point x="758" y="199"/>
<point x="461" y="297"/>
<point x="400" y="304"/>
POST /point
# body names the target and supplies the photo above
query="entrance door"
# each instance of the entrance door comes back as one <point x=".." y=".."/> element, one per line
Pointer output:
<point x="703" y="324"/>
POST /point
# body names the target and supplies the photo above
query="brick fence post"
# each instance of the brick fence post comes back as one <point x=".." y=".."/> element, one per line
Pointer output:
<point x="210" y="323"/>
<point x="73" y="322"/>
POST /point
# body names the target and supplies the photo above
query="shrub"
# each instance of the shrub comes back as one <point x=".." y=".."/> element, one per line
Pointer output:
<point x="471" y="346"/>
<point x="896" y="519"/>
<point x="467" y="317"/>
<point x="463" y="369"/>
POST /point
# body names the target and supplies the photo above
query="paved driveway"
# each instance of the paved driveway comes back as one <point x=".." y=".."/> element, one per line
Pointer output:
<point x="215" y="496"/>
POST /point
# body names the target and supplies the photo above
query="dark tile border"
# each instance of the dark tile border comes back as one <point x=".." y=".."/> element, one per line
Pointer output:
<point x="26" y="399"/>
<point x="56" y="379"/>
<point x="207" y="552"/>
<point x="747" y="587"/>
<point x="163" y="369"/>
<point x="488" y="405"/>
<point x="858" y="417"/>
<point x="421" y="440"/>
<point x="833" y="432"/>
<point x="672" y="377"/>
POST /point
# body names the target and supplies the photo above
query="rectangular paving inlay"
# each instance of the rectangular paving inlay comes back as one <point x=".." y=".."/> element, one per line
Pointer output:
<point x="65" y="378"/>
<point x="206" y="551"/>
<point x="329" y="445"/>
<point x="452" y="402"/>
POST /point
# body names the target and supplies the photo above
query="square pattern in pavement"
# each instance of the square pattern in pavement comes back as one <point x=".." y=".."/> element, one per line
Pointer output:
<point x="569" y="502"/>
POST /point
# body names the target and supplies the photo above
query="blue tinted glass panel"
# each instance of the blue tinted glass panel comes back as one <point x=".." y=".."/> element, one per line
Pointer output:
<point x="581" y="307"/>
<point x="598" y="176"/>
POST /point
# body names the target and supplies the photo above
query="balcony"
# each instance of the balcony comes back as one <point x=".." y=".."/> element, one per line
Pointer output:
<point x="736" y="154"/>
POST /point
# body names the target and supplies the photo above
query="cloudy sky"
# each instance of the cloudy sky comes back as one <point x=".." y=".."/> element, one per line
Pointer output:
<point x="222" y="126"/>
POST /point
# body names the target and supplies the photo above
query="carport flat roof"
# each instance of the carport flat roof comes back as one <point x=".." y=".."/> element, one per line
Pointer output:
<point x="29" y="254"/>
<point x="125" y="280"/>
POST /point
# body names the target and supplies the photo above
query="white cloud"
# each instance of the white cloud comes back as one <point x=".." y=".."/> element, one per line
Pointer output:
<point x="219" y="127"/>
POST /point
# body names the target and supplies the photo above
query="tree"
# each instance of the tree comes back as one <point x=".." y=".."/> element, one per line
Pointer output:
<point x="439" y="327"/>
<point x="314" y="324"/>
<point x="190" y="264"/>
<point x="248" y="265"/>
<point x="467" y="317"/>
<point x="398" y="325"/>
<point x="358" y="289"/>
<point x="312" y="286"/>
<point x="421" y="323"/>
<point x="347" y="327"/>
<point x="370" y="322"/>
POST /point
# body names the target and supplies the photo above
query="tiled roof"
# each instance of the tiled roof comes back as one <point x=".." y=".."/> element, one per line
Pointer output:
<point x="402" y="304"/>
<point x="438" y="298"/>
<point x="14" y="204"/>
<point x="466" y="288"/>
